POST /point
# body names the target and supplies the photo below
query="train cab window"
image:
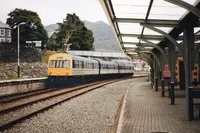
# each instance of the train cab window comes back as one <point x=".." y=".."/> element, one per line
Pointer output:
<point x="66" y="63"/>
<point x="52" y="64"/>
<point x="59" y="64"/>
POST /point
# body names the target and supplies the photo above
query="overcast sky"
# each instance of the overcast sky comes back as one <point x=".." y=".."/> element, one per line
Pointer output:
<point x="53" y="11"/>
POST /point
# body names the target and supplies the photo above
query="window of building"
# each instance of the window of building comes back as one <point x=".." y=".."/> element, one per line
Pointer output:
<point x="2" y="39"/>
<point x="8" y="40"/>
<point x="8" y="33"/>
<point x="2" y="32"/>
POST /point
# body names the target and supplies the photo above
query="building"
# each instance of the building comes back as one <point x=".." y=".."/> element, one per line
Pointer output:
<point x="5" y="33"/>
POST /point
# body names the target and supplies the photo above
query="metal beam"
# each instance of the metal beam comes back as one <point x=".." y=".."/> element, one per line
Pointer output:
<point x="111" y="14"/>
<point x="153" y="22"/>
<point x="145" y="59"/>
<point x="166" y="35"/>
<point x="151" y="37"/>
<point x="186" y="5"/>
<point x="155" y="58"/>
<point x="155" y="46"/>
<point x="146" y="18"/>
<point x="144" y="55"/>
<point x="134" y="43"/>
<point x="154" y="37"/>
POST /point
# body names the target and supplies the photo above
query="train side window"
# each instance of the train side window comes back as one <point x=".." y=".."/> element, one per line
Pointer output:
<point x="79" y="64"/>
<point x="88" y="65"/>
<point x="82" y="64"/>
<point x="76" y="65"/>
<point x="73" y="64"/>
<point x="92" y="65"/>
<point x="95" y="66"/>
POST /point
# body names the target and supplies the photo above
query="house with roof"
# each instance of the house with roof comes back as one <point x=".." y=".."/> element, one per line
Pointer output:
<point x="5" y="33"/>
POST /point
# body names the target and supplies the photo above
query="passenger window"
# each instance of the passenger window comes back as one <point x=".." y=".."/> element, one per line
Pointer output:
<point x="82" y="64"/>
<point x="73" y="64"/>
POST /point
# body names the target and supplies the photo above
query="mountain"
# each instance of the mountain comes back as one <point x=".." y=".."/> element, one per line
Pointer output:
<point x="51" y="29"/>
<point x="104" y="38"/>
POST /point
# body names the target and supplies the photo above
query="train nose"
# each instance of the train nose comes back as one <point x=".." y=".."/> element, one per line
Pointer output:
<point x="59" y="73"/>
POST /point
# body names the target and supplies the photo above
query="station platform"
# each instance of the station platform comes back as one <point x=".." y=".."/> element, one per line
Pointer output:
<point x="145" y="111"/>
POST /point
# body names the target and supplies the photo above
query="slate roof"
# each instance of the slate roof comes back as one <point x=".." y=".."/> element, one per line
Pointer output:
<point x="2" y="25"/>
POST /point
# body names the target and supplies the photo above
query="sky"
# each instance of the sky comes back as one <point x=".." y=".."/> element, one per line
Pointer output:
<point x="53" y="11"/>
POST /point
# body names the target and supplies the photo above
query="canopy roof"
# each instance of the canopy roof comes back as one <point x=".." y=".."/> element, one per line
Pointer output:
<point x="132" y="21"/>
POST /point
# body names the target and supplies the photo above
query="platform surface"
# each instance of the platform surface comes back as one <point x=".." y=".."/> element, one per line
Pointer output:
<point x="145" y="111"/>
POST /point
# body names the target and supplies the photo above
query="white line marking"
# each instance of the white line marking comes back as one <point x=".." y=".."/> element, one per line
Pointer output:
<point x="122" y="110"/>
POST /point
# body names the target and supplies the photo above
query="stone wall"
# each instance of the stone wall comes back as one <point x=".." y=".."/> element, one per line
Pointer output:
<point x="27" y="70"/>
<point x="13" y="88"/>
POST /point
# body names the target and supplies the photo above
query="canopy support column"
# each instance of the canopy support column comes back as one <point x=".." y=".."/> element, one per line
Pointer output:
<point x="188" y="49"/>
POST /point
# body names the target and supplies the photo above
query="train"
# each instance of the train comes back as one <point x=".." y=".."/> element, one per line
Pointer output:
<point x="65" y="69"/>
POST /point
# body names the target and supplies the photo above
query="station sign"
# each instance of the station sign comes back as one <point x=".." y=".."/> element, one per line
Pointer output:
<point x="166" y="72"/>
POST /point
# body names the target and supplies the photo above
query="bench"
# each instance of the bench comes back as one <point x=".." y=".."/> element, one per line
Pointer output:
<point x="196" y="94"/>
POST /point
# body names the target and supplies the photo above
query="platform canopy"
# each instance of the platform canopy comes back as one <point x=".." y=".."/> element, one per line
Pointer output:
<point x="134" y="21"/>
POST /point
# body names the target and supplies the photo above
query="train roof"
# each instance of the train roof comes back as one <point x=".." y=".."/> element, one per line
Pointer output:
<point x="106" y="62"/>
<point x="84" y="59"/>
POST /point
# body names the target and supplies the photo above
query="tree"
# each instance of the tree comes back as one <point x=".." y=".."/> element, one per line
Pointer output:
<point x="32" y="30"/>
<point x="73" y="31"/>
<point x="51" y="44"/>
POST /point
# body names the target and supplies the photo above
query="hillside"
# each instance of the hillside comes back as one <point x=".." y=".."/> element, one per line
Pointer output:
<point x="104" y="38"/>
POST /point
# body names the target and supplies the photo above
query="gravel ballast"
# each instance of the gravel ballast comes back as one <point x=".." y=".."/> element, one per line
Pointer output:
<point x="93" y="112"/>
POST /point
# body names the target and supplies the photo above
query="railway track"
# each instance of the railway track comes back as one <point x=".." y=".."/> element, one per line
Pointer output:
<point x="18" y="96"/>
<point x="26" y="106"/>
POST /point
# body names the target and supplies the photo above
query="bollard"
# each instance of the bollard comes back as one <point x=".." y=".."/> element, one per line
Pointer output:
<point x="172" y="93"/>
<point x="156" y="85"/>
<point x="190" y="104"/>
<point x="169" y="94"/>
<point x="163" y="89"/>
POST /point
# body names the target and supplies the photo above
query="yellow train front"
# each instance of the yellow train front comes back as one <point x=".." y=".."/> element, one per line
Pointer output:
<point x="69" y="70"/>
<point x="60" y="65"/>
